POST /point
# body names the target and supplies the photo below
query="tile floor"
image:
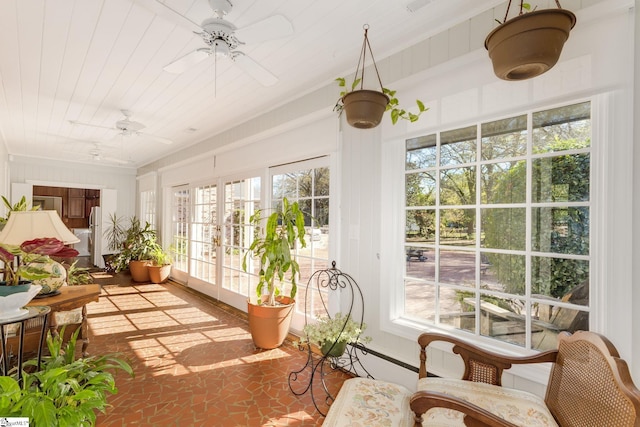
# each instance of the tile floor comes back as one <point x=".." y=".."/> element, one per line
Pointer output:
<point x="194" y="361"/>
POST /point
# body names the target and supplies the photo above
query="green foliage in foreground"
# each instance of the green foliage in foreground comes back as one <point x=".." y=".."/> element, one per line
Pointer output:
<point x="65" y="391"/>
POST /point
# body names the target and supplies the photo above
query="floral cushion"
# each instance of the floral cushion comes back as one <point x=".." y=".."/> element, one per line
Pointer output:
<point x="70" y="317"/>
<point x="363" y="402"/>
<point x="516" y="406"/>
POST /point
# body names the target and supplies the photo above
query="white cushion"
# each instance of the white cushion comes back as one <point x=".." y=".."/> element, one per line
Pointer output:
<point x="516" y="406"/>
<point x="363" y="402"/>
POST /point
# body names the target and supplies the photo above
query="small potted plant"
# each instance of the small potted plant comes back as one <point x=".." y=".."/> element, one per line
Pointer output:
<point x="270" y="316"/>
<point x="137" y="249"/>
<point x="530" y="43"/>
<point x="160" y="267"/>
<point x="332" y="334"/>
<point x="364" y="108"/>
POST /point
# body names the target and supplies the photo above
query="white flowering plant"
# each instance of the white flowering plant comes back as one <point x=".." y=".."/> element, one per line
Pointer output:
<point x="339" y="328"/>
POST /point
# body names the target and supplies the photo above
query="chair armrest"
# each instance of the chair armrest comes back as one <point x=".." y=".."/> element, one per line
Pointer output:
<point x="480" y="365"/>
<point x="474" y="416"/>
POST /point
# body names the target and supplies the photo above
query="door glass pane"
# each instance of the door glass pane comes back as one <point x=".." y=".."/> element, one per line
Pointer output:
<point x="241" y="200"/>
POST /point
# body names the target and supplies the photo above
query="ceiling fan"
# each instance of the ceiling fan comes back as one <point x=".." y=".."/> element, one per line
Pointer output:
<point x="222" y="38"/>
<point x="126" y="127"/>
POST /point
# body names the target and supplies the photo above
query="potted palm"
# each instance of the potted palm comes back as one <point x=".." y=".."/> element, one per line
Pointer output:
<point x="270" y="316"/>
<point x="530" y="43"/>
<point x="364" y="108"/>
<point x="332" y="334"/>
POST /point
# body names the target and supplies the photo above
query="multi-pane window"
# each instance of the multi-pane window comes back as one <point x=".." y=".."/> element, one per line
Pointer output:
<point x="242" y="199"/>
<point x="497" y="227"/>
<point x="148" y="208"/>
<point x="180" y="228"/>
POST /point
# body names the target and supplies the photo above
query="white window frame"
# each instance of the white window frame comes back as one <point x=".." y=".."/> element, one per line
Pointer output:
<point x="392" y="251"/>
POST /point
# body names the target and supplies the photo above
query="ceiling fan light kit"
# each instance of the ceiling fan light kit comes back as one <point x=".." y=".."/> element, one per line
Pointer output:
<point x="529" y="44"/>
<point x="219" y="36"/>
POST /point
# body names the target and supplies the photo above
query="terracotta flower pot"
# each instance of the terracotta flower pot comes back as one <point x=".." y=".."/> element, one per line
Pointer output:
<point x="139" y="271"/>
<point x="364" y="108"/>
<point x="159" y="273"/>
<point x="529" y="44"/>
<point x="269" y="325"/>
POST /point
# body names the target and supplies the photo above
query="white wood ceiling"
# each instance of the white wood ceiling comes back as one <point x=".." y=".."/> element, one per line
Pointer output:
<point x="86" y="60"/>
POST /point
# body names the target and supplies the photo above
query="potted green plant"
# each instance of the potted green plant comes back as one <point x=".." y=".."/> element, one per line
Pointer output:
<point x="364" y="108"/>
<point x="78" y="275"/>
<point x="270" y="317"/>
<point x="137" y="249"/>
<point x="63" y="390"/>
<point x="160" y="268"/>
<point x="530" y="43"/>
<point x="332" y="334"/>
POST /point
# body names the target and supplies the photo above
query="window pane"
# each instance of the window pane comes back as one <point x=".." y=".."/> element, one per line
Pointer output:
<point x="420" y="189"/>
<point x="321" y="182"/>
<point x="504" y="228"/>
<point x="560" y="230"/>
<point x="549" y="320"/>
<point x="559" y="277"/>
<point x="504" y="138"/>
<point x="561" y="178"/>
<point x="562" y="128"/>
<point x="458" y="226"/>
<point x="420" y="300"/>
<point x="453" y="311"/>
<point x="458" y="146"/>
<point x="504" y="182"/>
<point x="503" y="319"/>
<point x="420" y="225"/>
<point x="421" y="152"/>
<point x="458" y="186"/>
<point x="503" y="273"/>
<point x="420" y="263"/>
<point x="458" y="267"/>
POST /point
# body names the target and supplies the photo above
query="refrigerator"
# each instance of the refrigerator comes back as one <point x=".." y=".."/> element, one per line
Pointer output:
<point x="98" y="221"/>
<point x="95" y="237"/>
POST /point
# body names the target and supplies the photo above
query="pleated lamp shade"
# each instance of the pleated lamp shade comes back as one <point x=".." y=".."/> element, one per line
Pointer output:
<point x="29" y="225"/>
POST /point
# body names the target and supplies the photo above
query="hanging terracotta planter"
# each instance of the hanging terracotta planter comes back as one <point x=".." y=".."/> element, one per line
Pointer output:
<point x="364" y="108"/>
<point x="529" y="44"/>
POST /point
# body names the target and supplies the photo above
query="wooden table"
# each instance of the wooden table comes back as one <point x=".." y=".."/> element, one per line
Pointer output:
<point x="69" y="298"/>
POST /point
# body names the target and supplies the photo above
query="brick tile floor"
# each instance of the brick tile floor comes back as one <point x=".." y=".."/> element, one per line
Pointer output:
<point x="194" y="362"/>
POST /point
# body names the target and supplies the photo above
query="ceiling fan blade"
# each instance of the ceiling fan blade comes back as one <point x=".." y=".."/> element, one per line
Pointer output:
<point x="155" y="138"/>
<point x="74" y="122"/>
<point x="273" y="27"/>
<point x="189" y="60"/>
<point x="255" y="70"/>
<point x="167" y="12"/>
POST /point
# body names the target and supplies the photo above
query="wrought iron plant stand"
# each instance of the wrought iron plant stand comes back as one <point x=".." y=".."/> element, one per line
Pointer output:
<point x="325" y="290"/>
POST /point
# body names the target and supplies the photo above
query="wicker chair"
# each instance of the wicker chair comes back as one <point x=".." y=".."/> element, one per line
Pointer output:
<point x="589" y="385"/>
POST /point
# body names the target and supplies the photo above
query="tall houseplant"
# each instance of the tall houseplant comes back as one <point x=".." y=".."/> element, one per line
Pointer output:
<point x="530" y="43"/>
<point x="269" y="319"/>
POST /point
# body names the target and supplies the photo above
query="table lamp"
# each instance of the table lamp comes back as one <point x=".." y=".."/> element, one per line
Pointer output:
<point x="29" y="225"/>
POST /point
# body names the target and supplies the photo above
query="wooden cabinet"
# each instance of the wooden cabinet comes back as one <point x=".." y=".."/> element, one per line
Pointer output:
<point x="76" y="208"/>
